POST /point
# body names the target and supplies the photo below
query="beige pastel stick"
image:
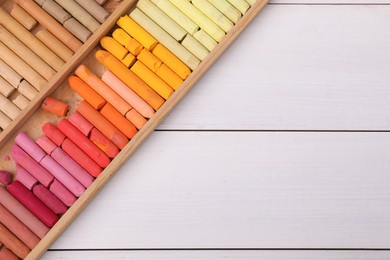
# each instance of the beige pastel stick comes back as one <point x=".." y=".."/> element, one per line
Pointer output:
<point x="80" y="14"/>
<point x="56" y="11"/>
<point x="165" y="39"/>
<point x="214" y="14"/>
<point x="205" y="40"/>
<point x="6" y="89"/>
<point x="200" y="19"/>
<point x="77" y="29"/>
<point x="19" y="100"/>
<point x="195" y="47"/>
<point x="53" y="43"/>
<point x="163" y="20"/>
<point x="30" y="41"/>
<point x="9" y="74"/>
<point x="27" y="90"/>
<point x="5" y="121"/>
<point x="241" y="5"/>
<point x="20" y="15"/>
<point x="21" y="67"/>
<point x="101" y="2"/>
<point x="251" y="2"/>
<point x="26" y="54"/>
<point x="227" y="9"/>
<point x="176" y="15"/>
<point x="50" y="24"/>
<point x="8" y="108"/>
<point x="94" y="9"/>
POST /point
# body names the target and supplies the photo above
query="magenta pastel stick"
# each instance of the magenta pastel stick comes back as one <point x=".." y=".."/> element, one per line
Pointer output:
<point x="28" y="163"/>
<point x="72" y="167"/>
<point x="25" y="178"/>
<point x="81" y="123"/>
<point x="46" y="144"/>
<point x="50" y="200"/>
<point x="32" y="203"/>
<point x="62" y="175"/>
<point x="62" y="193"/>
<point x="29" y="146"/>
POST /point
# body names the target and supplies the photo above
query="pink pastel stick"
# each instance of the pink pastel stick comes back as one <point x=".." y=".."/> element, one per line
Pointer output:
<point x="32" y="203"/>
<point x="6" y="254"/>
<point x="62" y="175"/>
<point x="62" y="193"/>
<point x="72" y="167"/>
<point x="81" y="123"/>
<point x="25" y="178"/>
<point x="46" y="144"/>
<point x="47" y="197"/>
<point x="28" y="163"/>
<point x="29" y="146"/>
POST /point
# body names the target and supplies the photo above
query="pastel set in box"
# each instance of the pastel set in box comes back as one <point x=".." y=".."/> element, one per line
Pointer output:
<point x="82" y="84"/>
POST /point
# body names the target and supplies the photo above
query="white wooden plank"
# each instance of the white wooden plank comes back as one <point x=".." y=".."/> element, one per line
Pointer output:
<point x="218" y="255"/>
<point x="244" y="190"/>
<point x="305" y="67"/>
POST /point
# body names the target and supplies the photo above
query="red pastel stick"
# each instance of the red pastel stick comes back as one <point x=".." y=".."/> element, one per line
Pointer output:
<point x="46" y="144"/>
<point x="55" y="135"/>
<point x="47" y="197"/>
<point x="84" y="143"/>
<point x="32" y="203"/>
<point x="81" y="123"/>
<point x="62" y="193"/>
<point x="7" y="254"/>
<point x="103" y="143"/>
<point x="25" y="178"/>
<point x="81" y="158"/>
<point x="28" y="163"/>
<point x="29" y="146"/>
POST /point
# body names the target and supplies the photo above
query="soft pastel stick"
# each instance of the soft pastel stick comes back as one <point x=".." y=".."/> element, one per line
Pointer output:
<point x="227" y="9"/>
<point x="136" y="119"/>
<point x="49" y="199"/>
<point x="130" y="79"/>
<point x="62" y="193"/>
<point x="214" y="14"/>
<point x="46" y="144"/>
<point x="98" y="12"/>
<point x="82" y="141"/>
<point x="195" y="47"/>
<point x="9" y="74"/>
<point x="170" y="77"/>
<point x="103" y="125"/>
<point x="62" y="175"/>
<point x="33" y="167"/>
<point x="77" y="29"/>
<point x="25" y="178"/>
<point x="5" y="121"/>
<point x="50" y="24"/>
<point x="205" y="40"/>
<point x="171" y="61"/>
<point x="19" y="100"/>
<point x="29" y="146"/>
<point x="56" y="11"/>
<point x="103" y="143"/>
<point x="131" y="44"/>
<point x="128" y="94"/>
<point x="55" y="106"/>
<point x="22" y="213"/>
<point x="8" y="108"/>
<point x="13" y="243"/>
<point x="32" y="203"/>
<point x="149" y="60"/>
<point x="72" y="167"/>
<point x="6" y="254"/>
<point x="251" y="2"/>
<point x="81" y="123"/>
<point x="129" y="60"/>
<point x="5" y="177"/>
<point x="113" y="47"/>
<point x="18" y="228"/>
<point x="119" y="121"/>
<point x="81" y="158"/>
<point x="20" y="15"/>
<point x="137" y="32"/>
<point x="86" y="92"/>
<point x="241" y="5"/>
<point x="102" y="89"/>
<point x="52" y="132"/>
<point x="27" y="90"/>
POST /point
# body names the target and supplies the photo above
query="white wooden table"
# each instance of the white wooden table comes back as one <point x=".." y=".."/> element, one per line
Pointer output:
<point x="281" y="151"/>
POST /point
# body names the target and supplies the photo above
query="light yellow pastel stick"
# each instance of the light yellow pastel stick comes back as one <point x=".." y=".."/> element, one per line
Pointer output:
<point x="214" y="14"/>
<point x="5" y="121"/>
<point x="195" y="47"/>
<point x="162" y="19"/>
<point x="113" y="47"/>
<point x="227" y="9"/>
<point x="251" y="2"/>
<point x="8" y="108"/>
<point x="205" y="40"/>
<point x="6" y="89"/>
<point x="199" y="18"/>
<point x="241" y="5"/>
<point x="131" y="44"/>
<point x="165" y="39"/>
<point x="177" y="15"/>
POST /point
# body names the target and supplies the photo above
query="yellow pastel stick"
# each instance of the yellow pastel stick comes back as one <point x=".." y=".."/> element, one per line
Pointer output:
<point x="164" y="38"/>
<point x="113" y="47"/>
<point x="137" y="32"/>
<point x="199" y="18"/>
<point x="241" y="5"/>
<point x="129" y="60"/>
<point x="195" y="47"/>
<point x="170" y="77"/>
<point x="227" y="9"/>
<point x="171" y="61"/>
<point x="149" y="60"/>
<point x="152" y="80"/>
<point x="251" y="2"/>
<point x="214" y="14"/>
<point x="131" y="44"/>
<point x="205" y="40"/>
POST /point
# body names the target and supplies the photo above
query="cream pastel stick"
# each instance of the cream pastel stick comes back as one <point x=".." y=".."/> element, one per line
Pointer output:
<point x="251" y="2"/>
<point x="195" y="47"/>
<point x="227" y="9"/>
<point x="214" y="14"/>
<point x="205" y="40"/>
<point x="241" y="5"/>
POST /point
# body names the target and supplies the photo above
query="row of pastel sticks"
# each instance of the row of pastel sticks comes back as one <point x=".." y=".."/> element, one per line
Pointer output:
<point x="35" y="42"/>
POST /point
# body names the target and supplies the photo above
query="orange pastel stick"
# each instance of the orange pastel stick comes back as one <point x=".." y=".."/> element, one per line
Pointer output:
<point x="170" y="77"/>
<point x="136" y="118"/>
<point x="101" y="88"/>
<point x="86" y="92"/>
<point x="118" y="120"/>
<point x="55" y="106"/>
<point x="103" y="143"/>
<point x="102" y="124"/>
<point x="130" y="79"/>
